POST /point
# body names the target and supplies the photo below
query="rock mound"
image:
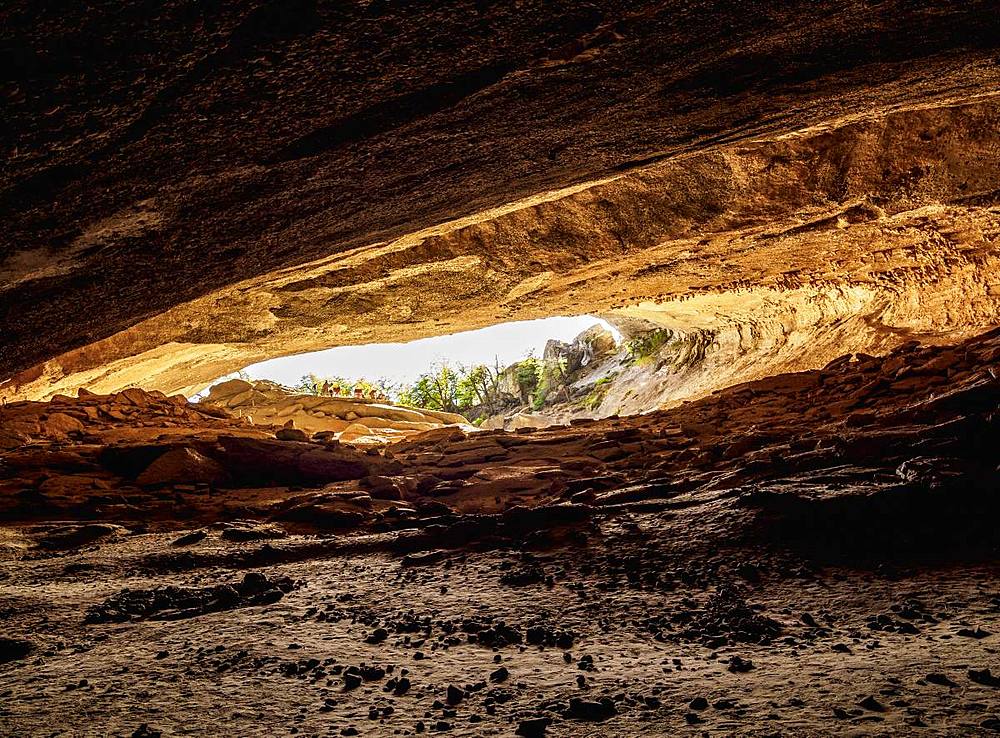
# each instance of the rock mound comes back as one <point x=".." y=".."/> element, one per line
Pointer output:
<point x="352" y="420"/>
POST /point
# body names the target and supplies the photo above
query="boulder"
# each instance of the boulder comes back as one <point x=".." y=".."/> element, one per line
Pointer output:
<point x="15" y="649"/>
<point x="59" y="424"/>
<point x="180" y="466"/>
<point x="384" y="488"/>
<point x="133" y="396"/>
<point x="593" y="342"/>
<point x="227" y="389"/>
<point x="291" y="434"/>
<point x="72" y="536"/>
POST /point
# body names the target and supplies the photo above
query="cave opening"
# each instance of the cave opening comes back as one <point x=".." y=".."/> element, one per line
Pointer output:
<point x="533" y="373"/>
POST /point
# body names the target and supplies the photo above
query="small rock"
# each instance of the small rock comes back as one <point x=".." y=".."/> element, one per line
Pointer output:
<point x="870" y="703"/>
<point x="189" y="539"/>
<point x="976" y="633"/>
<point x="14" y="649"/>
<point x="940" y="679"/>
<point x="739" y="665"/>
<point x="60" y="424"/>
<point x="588" y="710"/>
<point x="984" y="677"/>
<point x="533" y="727"/>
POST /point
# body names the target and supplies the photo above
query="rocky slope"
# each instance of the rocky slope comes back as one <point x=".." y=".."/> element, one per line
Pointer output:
<point x="670" y="573"/>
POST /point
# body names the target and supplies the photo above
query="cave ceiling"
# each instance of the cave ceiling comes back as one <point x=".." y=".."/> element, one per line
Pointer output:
<point x="192" y="187"/>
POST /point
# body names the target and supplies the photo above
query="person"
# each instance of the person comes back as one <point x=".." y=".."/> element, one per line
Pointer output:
<point x="326" y="388"/>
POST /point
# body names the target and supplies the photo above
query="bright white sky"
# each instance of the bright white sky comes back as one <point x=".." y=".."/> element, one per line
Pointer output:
<point x="404" y="362"/>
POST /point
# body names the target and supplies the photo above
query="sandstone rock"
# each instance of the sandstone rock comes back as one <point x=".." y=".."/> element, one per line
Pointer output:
<point x="69" y="485"/>
<point x="323" y="510"/>
<point x="214" y="412"/>
<point x="384" y="488"/>
<point x="60" y="424"/>
<point x="189" y="539"/>
<point x="133" y="396"/>
<point x="73" y="536"/>
<point x="182" y="465"/>
<point x="228" y="389"/>
<point x="243" y="533"/>
<point x="26" y="425"/>
<point x="10" y="439"/>
<point x="355" y="432"/>
<point x="291" y="434"/>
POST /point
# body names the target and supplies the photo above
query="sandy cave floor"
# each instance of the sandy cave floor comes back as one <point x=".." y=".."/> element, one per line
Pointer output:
<point x="225" y="673"/>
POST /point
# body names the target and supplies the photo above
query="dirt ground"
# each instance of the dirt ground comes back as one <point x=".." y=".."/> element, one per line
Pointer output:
<point x="811" y="554"/>
<point x="273" y="669"/>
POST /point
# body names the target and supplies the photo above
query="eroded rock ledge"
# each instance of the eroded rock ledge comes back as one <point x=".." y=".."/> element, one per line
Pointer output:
<point x="348" y="419"/>
<point x="851" y="235"/>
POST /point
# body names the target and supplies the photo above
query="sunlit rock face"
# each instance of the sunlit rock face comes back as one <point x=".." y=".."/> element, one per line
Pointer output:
<point x="786" y="252"/>
<point x="795" y="181"/>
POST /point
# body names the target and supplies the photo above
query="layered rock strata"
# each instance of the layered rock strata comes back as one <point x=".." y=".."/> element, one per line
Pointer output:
<point x="925" y="406"/>
<point x="349" y="419"/>
<point x="856" y="233"/>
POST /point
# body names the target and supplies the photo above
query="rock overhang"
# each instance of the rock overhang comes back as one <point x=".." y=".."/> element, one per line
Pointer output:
<point x="860" y="190"/>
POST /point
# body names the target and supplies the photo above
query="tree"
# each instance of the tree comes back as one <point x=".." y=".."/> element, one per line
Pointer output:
<point x="434" y="390"/>
<point x="480" y="386"/>
<point x="308" y="384"/>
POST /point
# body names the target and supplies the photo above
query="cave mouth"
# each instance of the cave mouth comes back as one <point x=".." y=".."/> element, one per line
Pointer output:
<point x="510" y="375"/>
<point x="769" y="507"/>
<point x="397" y="363"/>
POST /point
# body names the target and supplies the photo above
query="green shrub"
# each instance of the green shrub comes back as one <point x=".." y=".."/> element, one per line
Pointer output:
<point x="598" y="392"/>
<point x="549" y="375"/>
<point x="642" y="349"/>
